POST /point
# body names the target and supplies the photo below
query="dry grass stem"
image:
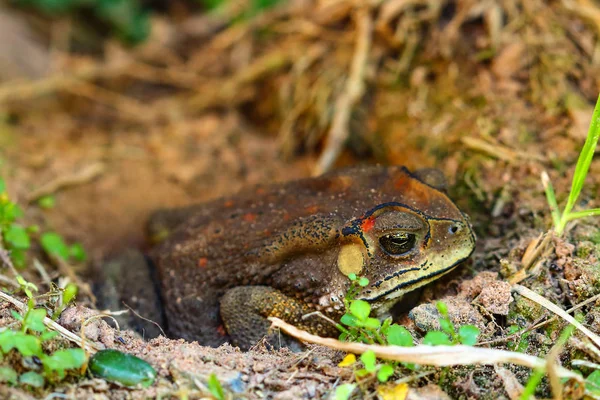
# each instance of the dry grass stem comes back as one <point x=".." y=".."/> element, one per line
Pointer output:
<point x="353" y="92"/>
<point x="439" y="356"/>
<point x="229" y="92"/>
<point x="127" y="106"/>
<point x="531" y="295"/>
<point x="26" y="90"/>
<point x="89" y="347"/>
<point x="538" y="323"/>
<point x="79" y="177"/>
<point x="499" y="151"/>
<point x="66" y="270"/>
<point x="534" y="250"/>
<point x="144" y="318"/>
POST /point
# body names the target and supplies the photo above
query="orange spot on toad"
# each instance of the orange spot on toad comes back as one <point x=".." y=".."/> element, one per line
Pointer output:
<point x="367" y="224"/>
<point x="312" y="209"/>
<point x="203" y="262"/>
<point x="228" y="203"/>
<point x="250" y="217"/>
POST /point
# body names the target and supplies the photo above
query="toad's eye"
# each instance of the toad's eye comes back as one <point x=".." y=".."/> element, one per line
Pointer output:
<point x="397" y="244"/>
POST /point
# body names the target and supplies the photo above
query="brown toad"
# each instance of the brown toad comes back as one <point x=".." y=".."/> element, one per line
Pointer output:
<point x="286" y="250"/>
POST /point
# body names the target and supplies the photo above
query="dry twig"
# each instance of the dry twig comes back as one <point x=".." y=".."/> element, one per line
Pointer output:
<point x="78" y="177"/>
<point x="89" y="347"/>
<point x="24" y="91"/>
<point x="531" y="295"/>
<point x="439" y="356"/>
<point x="355" y="87"/>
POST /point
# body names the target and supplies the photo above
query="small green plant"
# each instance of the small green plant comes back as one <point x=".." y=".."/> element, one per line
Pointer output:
<point x="46" y="202"/>
<point x="560" y="219"/>
<point x="344" y="391"/>
<point x="16" y="238"/>
<point x="28" y="341"/>
<point x="358" y="326"/>
<point x="466" y="334"/>
<point x="13" y="236"/>
<point x="215" y="388"/>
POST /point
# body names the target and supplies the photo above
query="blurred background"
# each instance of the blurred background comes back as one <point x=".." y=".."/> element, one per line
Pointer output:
<point x="116" y="108"/>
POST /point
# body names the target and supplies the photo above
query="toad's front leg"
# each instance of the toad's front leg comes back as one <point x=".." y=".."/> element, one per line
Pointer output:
<point x="245" y="309"/>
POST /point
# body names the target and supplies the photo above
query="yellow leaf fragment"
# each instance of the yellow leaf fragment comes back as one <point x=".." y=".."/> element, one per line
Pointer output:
<point x="348" y="360"/>
<point x="393" y="392"/>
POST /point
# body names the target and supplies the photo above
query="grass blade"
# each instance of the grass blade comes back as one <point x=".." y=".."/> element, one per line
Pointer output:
<point x="584" y="161"/>
<point x="583" y="214"/>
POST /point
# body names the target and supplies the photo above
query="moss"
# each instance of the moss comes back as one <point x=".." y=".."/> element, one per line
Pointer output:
<point x="523" y="310"/>
<point x="585" y="249"/>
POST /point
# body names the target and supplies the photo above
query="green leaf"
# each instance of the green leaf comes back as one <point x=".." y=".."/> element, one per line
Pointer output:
<point x="442" y="308"/>
<point x="592" y="383"/>
<point x="361" y="373"/>
<point x="18" y="258"/>
<point x="352" y="277"/>
<point x="344" y="391"/>
<point x="61" y="360"/>
<point x="447" y="326"/>
<point x="125" y="369"/>
<point x="363" y="282"/>
<point x="27" y="287"/>
<point x="399" y="336"/>
<point x="49" y="335"/>
<point x="372" y="323"/>
<point x="585" y="159"/>
<point x="349" y="320"/>
<point x="385" y="372"/>
<point x="27" y="345"/>
<point x="369" y="360"/>
<point x="2" y="186"/>
<point x="34" y="320"/>
<point x="215" y="388"/>
<point x="77" y="252"/>
<point x="468" y="334"/>
<point x="70" y="293"/>
<point x="32" y="378"/>
<point x="8" y="374"/>
<point x="385" y="325"/>
<point x="54" y="245"/>
<point x="360" y="309"/>
<point x="17" y="237"/>
<point x="436" y="338"/>
<point x="10" y="212"/>
<point x="16" y="315"/>
<point x="47" y="202"/>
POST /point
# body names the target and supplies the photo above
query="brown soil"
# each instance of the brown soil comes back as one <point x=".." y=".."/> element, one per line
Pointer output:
<point x="492" y="93"/>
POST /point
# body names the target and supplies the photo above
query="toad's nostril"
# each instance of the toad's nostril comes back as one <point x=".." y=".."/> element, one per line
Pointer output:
<point x="453" y="229"/>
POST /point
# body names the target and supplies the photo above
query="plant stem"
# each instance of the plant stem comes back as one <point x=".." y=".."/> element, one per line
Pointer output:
<point x="551" y="198"/>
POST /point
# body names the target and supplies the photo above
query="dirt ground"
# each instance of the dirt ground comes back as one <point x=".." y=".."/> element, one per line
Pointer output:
<point x="491" y="93"/>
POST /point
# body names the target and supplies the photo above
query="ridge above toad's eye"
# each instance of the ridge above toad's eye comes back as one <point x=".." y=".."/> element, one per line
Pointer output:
<point x="397" y="244"/>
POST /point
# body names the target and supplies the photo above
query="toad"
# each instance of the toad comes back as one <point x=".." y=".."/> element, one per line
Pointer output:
<point x="286" y="250"/>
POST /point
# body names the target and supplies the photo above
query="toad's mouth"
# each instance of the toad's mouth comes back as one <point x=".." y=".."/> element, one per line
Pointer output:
<point x="407" y="286"/>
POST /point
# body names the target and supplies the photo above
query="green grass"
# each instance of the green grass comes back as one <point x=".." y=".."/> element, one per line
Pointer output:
<point x="560" y="219"/>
